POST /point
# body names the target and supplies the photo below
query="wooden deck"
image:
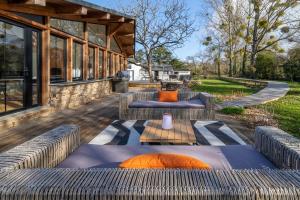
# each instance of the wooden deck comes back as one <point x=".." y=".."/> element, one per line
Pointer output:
<point x="91" y="118"/>
<point x="181" y="133"/>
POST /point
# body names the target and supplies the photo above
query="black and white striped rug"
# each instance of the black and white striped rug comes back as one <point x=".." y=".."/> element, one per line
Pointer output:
<point x="213" y="133"/>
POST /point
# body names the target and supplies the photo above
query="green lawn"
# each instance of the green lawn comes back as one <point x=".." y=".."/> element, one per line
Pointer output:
<point x="223" y="90"/>
<point x="287" y="110"/>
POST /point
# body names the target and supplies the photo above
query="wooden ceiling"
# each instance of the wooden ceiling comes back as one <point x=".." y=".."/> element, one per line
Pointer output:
<point x="121" y="26"/>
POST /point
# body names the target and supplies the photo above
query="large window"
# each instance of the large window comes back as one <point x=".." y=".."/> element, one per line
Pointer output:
<point x="91" y="63"/>
<point x="72" y="27"/>
<point x="97" y="34"/>
<point x="100" y="67"/>
<point x="57" y="59"/>
<point x="114" y="45"/>
<point x="77" y="61"/>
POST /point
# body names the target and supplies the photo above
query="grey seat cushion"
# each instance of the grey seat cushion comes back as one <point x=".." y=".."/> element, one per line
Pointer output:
<point x="110" y="156"/>
<point x="195" y="103"/>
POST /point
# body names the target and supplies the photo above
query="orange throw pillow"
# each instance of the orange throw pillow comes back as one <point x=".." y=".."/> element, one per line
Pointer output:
<point x="168" y="96"/>
<point x="164" y="161"/>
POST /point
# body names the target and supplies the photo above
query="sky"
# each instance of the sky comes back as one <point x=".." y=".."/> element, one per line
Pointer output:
<point x="191" y="46"/>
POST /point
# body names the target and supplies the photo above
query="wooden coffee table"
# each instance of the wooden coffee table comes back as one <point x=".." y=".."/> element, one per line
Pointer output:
<point x="182" y="133"/>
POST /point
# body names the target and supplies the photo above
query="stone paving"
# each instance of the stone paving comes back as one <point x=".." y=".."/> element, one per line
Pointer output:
<point x="274" y="91"/>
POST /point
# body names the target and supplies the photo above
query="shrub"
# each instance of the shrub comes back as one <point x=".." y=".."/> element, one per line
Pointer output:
<point x="268" y="66"/>
<point x="233" y="110"/>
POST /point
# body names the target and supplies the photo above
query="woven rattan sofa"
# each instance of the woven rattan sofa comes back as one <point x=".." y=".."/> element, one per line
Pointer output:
<point x="145" y="105"/>
<point x="19" y="181"/>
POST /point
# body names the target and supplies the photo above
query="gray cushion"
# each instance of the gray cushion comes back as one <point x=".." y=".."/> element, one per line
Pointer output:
<point x="195" y="103"/>
<point x="110" y="156"/>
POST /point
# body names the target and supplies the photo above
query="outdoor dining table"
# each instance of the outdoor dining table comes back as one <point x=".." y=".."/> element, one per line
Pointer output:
<point x="171" y="85"/>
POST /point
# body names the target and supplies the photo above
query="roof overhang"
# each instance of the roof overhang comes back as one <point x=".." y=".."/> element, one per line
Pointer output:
<point x="122" y="26"/>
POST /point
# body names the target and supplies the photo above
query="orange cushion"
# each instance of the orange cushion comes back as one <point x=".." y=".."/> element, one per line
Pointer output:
<point x="168" y="96"/>
<point x="163" y="161"/>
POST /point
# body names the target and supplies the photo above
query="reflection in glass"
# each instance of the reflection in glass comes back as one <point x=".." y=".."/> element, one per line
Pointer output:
<point x="12" y="60"/>
<point x="91" y="63"/>
<point x="72" y="27"/>
<point x="77" y="61"/>
<point x="121" y="63"/>
<point x="97" y="34"/>
<point x="57" y="59"/>
<point x="35" y="86"/>
<point x="114" y="45"/>
<point x="100" y="64"/>
<point x="108" y="65"/>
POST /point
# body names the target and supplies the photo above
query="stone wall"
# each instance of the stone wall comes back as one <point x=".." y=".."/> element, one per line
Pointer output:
<point x="15" y="119"/>
<point x="72" y="95"/>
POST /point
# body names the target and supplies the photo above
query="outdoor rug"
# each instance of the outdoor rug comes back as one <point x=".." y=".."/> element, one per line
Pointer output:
<point x="214" y="133"/>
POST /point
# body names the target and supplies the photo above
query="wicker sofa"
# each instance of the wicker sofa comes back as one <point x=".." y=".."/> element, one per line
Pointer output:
<point x="145" y="105"/>
<point x="18" y="181"/>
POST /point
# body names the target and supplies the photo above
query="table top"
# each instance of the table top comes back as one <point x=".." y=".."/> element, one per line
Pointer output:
<point x="181" y="133"/>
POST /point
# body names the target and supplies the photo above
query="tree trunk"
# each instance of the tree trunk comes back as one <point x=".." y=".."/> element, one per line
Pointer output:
<point x="244" y="61"/>
<point x="230" y="48"/>
<point x="234" y="70"/>
<point x="245" y="55"/>
<point x="149" y="67"/>
<point x="255" y="32"/>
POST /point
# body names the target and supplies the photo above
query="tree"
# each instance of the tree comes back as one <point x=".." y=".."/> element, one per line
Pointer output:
<point x="160" y="24"/>
<point x="292" y="66"/>
<point x="225" y="29"/>
<point x="269" y="18"/>
<point x="161" y="56"/>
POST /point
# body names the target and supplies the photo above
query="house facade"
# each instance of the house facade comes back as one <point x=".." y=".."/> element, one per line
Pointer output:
<point x="159" y="72"/>
<point x="60" y="53"/>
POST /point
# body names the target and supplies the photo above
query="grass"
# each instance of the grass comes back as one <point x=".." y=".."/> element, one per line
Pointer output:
<point x="233" y="110"/>
<point x="223" y="90"/>
<point x="287" y="110"/>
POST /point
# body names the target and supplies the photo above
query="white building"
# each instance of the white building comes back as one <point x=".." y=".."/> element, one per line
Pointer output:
<point x="161" y="72"/>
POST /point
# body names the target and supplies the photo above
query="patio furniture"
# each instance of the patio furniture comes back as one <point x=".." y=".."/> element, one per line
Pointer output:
<point x="145" y="105"/>
<point x="262" y="184"/>
<point x="218" y="157"/>
<point x="181" y="133"/>
<point x="171" y="85"/>
<point x="43" y="151"/>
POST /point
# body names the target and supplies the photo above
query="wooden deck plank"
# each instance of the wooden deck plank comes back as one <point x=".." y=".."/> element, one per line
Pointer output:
<point x="91" y="118"/>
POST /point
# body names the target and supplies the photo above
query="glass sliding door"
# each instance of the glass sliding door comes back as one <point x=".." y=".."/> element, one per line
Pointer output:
<point x="19" y="67"/>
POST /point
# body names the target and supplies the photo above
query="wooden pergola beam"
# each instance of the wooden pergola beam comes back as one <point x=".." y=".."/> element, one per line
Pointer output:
<point x="114" y="20"/>
<point x="28" y="2"/>
<point x="73" y="10"/>
<point x="116" y="29"/>
<point x="120" y="34"/>
<point x="104" y="16"/>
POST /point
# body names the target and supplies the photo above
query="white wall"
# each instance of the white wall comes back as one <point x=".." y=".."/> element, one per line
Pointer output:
<point x="137" y="73"/>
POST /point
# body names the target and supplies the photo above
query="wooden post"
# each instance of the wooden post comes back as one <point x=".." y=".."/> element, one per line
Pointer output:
<point x="45" y="64"/>
<point x="85" y="53"/>
<point x="69" y="59"/>
<point x="105" y="60"/>
<point x="108" y="48"/>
